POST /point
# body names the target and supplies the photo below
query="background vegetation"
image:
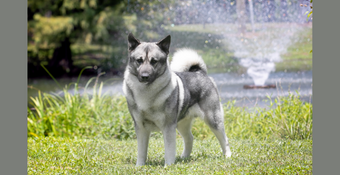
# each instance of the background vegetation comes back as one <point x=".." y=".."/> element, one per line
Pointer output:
<point x="67" y="35"/>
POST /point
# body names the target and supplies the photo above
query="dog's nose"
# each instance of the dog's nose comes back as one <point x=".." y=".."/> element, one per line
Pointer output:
<point x="145" y="76"/>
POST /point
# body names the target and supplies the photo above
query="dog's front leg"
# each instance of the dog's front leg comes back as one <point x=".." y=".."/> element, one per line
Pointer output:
<point x="169" y="134"/>
<point x="143" y="136"/>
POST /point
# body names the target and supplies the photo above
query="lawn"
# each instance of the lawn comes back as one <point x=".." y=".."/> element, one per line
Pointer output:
<point x="97" y="156"/>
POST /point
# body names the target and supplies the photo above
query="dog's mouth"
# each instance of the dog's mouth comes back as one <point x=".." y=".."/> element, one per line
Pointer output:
<point x="143" y="81"/>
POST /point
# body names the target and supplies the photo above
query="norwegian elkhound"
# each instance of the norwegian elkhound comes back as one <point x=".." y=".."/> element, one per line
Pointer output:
<point x="163" y="97"/>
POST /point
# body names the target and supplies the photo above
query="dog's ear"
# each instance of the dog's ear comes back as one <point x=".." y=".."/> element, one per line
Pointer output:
<point x="164" y="44"/>
<point x="133" y="42"/>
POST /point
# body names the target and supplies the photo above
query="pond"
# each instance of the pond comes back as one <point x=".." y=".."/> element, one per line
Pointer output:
<point x="230" y="87"/>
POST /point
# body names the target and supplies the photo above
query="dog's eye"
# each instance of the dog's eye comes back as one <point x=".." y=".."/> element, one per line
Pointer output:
<point x="139" y="61"/>
<point x="153" y="61"/>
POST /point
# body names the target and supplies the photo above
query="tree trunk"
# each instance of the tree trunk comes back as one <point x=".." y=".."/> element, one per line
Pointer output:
<point x="61" y="62"/>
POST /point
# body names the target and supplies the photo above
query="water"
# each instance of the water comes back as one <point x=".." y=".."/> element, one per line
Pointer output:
<point x="230" y="87"/>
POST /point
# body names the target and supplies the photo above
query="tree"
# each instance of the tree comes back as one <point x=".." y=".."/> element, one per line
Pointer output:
<point x="53" y="25"/>
<point x="151" y="16"/>
<point x="56" y="25"/>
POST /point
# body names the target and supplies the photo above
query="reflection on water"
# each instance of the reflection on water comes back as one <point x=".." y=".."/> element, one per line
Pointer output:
<point x="230" y="86"/>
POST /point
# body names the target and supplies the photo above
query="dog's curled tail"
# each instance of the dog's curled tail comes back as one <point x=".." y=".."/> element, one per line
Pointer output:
<point x="187" y="60"/>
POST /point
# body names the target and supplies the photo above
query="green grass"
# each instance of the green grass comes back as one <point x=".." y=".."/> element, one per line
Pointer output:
<point x="298" y="56"/>
<point x="212" y="43"/>
<point x="207" y="28"/>
<point x="301" y="49"/>
<point x="95" y="156"/>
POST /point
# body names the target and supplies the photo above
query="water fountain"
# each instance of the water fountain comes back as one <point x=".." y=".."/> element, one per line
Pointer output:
<point x="262" y="46"/>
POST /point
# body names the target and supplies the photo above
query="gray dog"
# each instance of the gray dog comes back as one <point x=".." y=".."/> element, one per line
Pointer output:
<point x="162" y="97"/>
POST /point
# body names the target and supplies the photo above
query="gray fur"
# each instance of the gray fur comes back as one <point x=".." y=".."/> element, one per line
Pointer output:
<point x="162" y="100"/>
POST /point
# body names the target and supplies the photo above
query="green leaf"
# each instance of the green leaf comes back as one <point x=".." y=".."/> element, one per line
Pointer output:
<point x="309" y="13"/>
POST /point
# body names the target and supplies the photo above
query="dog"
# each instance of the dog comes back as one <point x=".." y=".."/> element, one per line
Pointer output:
<point x="163" y="97"/>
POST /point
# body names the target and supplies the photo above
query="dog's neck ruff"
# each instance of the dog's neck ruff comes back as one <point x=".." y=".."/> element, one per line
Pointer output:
<point x="160" y="89"/>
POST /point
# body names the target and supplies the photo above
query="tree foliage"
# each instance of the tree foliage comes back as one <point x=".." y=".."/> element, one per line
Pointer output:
<point x="51" y="21"/>
<point x="96" y="23"/>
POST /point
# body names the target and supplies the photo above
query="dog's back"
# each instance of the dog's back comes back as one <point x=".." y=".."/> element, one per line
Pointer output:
<point x="201" y="99"/>
<point x="198" y="86"/>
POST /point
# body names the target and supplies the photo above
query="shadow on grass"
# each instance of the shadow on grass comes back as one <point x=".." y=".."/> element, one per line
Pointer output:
<point x="160" y="162"/>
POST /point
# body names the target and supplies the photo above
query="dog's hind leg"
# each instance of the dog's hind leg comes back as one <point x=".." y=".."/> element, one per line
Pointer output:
<point x="184" y="128"/>
<point x="223" y="139"/>
<point x="143" y="136"/>
<point x="214" y="119"/>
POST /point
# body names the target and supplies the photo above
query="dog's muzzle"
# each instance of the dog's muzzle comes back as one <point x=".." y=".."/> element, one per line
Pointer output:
<point x="144" y="77"/>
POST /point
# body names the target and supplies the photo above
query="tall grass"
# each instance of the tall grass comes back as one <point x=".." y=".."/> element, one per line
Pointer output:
<point x="291" y="119"/>
<point x="84" y="115"/>
<point x="99" y="115"/>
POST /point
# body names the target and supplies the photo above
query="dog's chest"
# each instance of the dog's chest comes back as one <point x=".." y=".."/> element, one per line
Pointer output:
<point x="150" y="105"/>
<point x="150" y="98"/>
<point x="149" y="109"/>
<point x="151" y="119"/>
<point x="147" y="101"/>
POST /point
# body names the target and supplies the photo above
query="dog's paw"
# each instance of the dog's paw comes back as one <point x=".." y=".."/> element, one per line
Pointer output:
<point x="140" y="164"/>
<point x="185" y="155"/>
<point x="228" y="153"/>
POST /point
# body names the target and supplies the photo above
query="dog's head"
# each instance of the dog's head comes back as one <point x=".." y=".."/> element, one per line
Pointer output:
<point x="148" y="61"/>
